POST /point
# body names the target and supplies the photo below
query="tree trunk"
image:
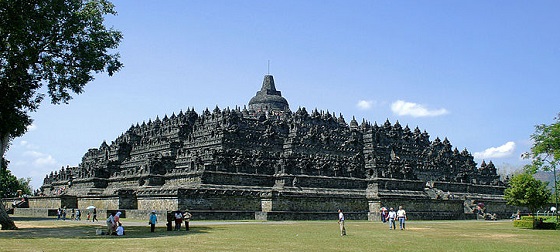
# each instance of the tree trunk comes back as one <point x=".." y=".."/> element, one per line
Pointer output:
<point x="5" y="220"/>
<point x="4" y="142"/>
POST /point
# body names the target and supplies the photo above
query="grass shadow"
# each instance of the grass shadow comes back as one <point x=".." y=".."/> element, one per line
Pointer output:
<point x="67" y="230"/>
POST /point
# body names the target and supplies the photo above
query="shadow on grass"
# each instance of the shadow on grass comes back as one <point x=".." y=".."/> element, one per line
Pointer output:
<point x="87" y="231"/>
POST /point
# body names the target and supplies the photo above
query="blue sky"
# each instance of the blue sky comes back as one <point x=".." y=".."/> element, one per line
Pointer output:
<point x="481" y="73"/>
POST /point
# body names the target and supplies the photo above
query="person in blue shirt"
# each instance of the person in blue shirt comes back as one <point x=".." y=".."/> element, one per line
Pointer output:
<point x="153" y="221"/>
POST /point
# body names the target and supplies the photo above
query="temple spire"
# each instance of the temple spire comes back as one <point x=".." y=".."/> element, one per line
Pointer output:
<point x="268" y="98"/>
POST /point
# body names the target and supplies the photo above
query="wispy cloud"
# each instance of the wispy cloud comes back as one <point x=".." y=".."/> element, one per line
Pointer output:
<point x="497" y="152"/>
<point x="40" y="159"/>
<point x="365" y="105"/>
<point x="31" y="127"/>
<point x="33" y="162"/>
<point x="404" y="108"/>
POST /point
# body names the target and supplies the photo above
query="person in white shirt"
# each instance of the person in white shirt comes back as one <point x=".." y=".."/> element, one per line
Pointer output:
<point x="178" y="220"/>
<point x="391" y="218"/>
<point x="341" y="222"/>
<point x="401" y="215"/>
<point x="120" y="230"/>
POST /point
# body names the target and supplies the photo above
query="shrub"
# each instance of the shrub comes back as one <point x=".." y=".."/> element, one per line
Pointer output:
<point x="546" y="223"/>
<point x="523" y="223"/>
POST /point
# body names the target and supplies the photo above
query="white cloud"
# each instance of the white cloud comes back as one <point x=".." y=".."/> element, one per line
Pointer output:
<point x="403" y="108"/>
<point x="365" y="105"/>
<point x="40" y="159"/>
<point x="44" y="160"/>
<point x="27" y="145"/>
<point x="31" y="127"/>
<point x="497" y="152"/>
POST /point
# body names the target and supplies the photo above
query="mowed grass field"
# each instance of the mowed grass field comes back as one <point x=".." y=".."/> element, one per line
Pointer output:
<point x="51" y="235"/>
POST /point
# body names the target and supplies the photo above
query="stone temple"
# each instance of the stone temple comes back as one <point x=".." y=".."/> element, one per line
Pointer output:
<point x="264" y="161"/>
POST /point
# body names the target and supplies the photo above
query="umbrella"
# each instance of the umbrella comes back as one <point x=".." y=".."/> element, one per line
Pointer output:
<point x="90" y="207"/>
<point x="383" y="209"/>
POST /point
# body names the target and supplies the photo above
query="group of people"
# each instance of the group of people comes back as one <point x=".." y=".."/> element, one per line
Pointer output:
<point x="76" y="214"/>
<point x="114" y="224"/>
<point x="178" y="216"/>
<point x="61" y="213"/>
<point x="390" y="217"/>
<point x="393" y="216"/>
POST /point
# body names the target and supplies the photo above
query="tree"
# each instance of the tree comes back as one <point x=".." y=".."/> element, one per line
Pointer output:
<point x="545" y="152"/>
<point x="57" y="43"/>
<point x="10" y="184"/>
<point x="525" y="190"/>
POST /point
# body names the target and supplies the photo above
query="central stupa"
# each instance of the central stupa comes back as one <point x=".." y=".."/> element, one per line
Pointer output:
<point x="268" y="98"/>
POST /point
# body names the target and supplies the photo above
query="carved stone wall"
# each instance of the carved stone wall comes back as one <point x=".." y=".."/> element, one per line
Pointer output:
<point x="224" y="159"/>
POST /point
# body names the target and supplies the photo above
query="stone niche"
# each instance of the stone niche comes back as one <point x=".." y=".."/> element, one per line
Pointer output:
<point x="68" y="201"/>
<point x="127" y="199"/>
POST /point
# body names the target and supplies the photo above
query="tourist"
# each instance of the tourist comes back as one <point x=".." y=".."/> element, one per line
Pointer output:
<point x="58" y="213"/>
<point x="88" y="216"/>
<point x="110" y="224"/>
<point x="401" y="214"/>
<point x="178" y="220"/>
<point x="187" y="218"/>
<point x="391" y="218"/>
<point x="78" y="214"/>
<point x="153" y="221"/>
<point x="341" y="222"/>
<point x="120" y="230"/>
<point x="384" y="214"/>
<point x="94" y="215"/>
<point x="73" y="214"/>
<point x="117" y="218"/>
<point x="64" y="213"/>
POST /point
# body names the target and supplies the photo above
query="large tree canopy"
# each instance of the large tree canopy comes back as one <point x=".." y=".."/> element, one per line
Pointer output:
<point x="57" y="43"/>
<point x="545" y="152"/>
<point x="525" y="190"/>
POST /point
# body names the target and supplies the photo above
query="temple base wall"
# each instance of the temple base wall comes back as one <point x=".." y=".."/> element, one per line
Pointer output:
<point x="272" y="205"/>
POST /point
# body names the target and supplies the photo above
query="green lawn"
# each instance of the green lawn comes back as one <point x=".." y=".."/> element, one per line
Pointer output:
<point x="50" y="235"/>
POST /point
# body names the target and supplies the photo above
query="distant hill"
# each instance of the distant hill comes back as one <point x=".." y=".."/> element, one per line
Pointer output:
<point x="546" y="177"/>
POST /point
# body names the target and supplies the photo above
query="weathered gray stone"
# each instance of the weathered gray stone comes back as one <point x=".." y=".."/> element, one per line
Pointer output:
<point x="277" y="163"/>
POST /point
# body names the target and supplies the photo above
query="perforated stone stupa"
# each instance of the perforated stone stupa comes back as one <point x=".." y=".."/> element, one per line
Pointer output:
<point x="267" y="162"/>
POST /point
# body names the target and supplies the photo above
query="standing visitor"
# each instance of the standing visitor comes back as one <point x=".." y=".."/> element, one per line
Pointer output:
<point x="153" y="221"/>
<point x="78" y="215"/>
<point x="94" y="215"/>
<point x="341" y="222"/>
<point x="384" y="214"/>
<point x="110" y="224"/>
<point x="178" y="220"/>
<point x="401" y="214"/>
<point x="391" y="218"/>
<point x="58" y="213"/>
<point x="187" y="217"/>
